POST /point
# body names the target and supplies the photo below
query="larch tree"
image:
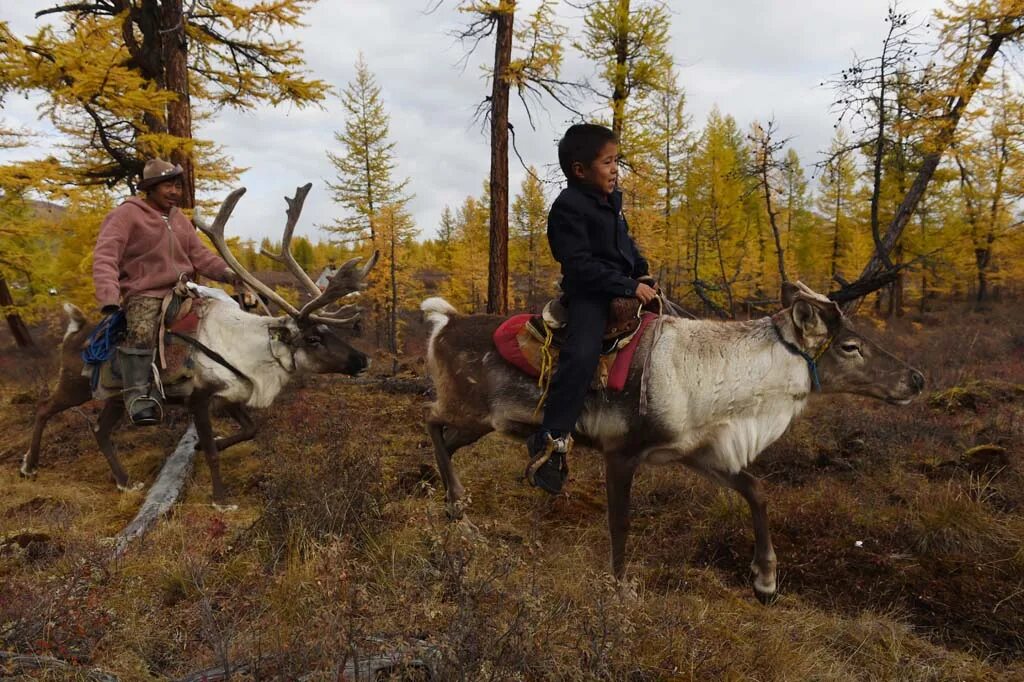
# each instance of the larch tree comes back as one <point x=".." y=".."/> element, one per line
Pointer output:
<point x="395" y="230"/>
<point x="667" y="161"/>
<point x="123" y="79"/>
<point x="529" y="59"/>
<point x="531" y="257"/>
<point x="366" y="163"/>
<point x="768" y="170"/>
<point x="986" y="161"/>
<point x="366" y="187"/>
<point x="971" y="36"/>
<point x="628" y="41"/>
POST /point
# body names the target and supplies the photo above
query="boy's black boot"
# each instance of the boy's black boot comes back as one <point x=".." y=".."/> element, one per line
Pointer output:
<point x="549" y="466"/>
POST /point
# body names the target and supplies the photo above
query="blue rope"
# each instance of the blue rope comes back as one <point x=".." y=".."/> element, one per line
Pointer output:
<point x="102" y="342"/>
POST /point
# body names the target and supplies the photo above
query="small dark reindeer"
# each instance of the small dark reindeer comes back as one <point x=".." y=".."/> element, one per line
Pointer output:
<point x="265" y="352"/>
<point x="718" y="394"/>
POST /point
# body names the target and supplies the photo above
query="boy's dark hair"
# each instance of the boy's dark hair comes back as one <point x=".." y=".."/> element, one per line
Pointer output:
<point x="582" y="142"/>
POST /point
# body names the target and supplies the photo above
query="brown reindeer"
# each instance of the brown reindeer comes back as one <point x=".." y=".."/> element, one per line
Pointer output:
<point x="718" y="394"/>
<point x="258" y="355"/>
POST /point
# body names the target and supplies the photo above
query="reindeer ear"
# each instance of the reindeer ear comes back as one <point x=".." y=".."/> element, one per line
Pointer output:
<point x="789" y="293"/>
<point x="807" y="319"/>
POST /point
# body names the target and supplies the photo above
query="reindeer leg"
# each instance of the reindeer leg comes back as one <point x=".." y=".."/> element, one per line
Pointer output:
<point x="67" y="394"/>
<point x="246" y="431"/>
<point x="447" y="440"/>
<point x="200" y="406"/>
<point x="619" y="471"/>
<point x="109" y="417"/>
<point x="764" y="564"/>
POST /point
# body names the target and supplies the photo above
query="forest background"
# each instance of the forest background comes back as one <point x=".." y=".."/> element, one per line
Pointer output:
<point x="724" y="209"/>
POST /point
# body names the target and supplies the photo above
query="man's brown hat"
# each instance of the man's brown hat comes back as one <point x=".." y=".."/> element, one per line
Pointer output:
<point x="156" y="171"/>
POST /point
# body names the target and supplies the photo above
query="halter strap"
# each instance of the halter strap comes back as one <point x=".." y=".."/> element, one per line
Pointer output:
<point x="812" y="361"/>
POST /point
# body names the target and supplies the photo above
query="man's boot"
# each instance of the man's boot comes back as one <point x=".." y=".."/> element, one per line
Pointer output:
<point x="140" y="398"/>
<point x="549" y="467"/>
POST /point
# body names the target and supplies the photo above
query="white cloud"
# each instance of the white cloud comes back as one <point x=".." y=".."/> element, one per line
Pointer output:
<point x="752" y="59"/>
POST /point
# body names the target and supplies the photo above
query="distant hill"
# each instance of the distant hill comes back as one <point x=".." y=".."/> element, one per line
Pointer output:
<point x="47" y="210"/>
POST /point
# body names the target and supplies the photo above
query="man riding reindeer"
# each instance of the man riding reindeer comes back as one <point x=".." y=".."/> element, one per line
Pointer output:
<point x="146" y="248"/>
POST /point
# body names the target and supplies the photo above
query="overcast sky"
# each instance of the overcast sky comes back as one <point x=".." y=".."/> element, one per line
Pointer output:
<point x="753" y="59"/>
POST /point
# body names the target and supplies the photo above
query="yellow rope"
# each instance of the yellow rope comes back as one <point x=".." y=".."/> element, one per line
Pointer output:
<point x="547" y="364"/>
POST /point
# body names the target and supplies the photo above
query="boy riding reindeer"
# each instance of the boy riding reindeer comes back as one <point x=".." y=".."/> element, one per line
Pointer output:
<point x="600" y="261"/>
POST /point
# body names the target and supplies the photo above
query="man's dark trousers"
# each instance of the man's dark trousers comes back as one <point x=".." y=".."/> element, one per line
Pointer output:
<point x="577" y="363"/>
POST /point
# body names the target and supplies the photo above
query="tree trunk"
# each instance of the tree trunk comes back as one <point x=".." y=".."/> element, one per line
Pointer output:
<point x="19" y="331"/>
<point x="393" y="335"/>
<point x="497" y="267"/>
<point x="619" y="92"/>
<point x="179" y="112"/>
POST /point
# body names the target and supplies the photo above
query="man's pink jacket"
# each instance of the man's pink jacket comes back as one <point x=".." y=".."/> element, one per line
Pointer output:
<point x="138" y="253"/>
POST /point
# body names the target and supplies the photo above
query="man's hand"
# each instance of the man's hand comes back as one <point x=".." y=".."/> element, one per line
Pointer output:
<point x="231" y="277"/>
<point x="645" y="293"/>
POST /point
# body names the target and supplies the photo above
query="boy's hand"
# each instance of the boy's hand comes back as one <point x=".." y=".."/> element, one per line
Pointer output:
<point x="645" y="293"/>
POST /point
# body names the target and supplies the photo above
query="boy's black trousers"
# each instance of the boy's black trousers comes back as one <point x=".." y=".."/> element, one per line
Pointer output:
<point x="577" y="362"/>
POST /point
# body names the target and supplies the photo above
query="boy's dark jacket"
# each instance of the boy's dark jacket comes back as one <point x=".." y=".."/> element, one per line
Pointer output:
<point x="590" y="239"/>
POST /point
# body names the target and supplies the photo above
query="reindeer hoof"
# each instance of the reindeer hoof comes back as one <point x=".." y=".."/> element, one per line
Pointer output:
<point x="224" y="508"/>
<point x="456" y="509"/>
<point x="628" y="589"/>
<point x="131" y="487"/>
<point x="25" y="472"/>
<point x="766" y="598"/>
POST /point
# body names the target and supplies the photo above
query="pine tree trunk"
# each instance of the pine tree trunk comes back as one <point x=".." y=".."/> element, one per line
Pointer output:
<point x="497" y="268"/>
<point x="619" y="93"/>
<point x="19" y="331"/>
<point x="179" y="112"/>
<point x="393" y="336"/>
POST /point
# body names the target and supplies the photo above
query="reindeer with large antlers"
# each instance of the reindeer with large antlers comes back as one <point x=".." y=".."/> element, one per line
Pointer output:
<point x="239" y="358"/>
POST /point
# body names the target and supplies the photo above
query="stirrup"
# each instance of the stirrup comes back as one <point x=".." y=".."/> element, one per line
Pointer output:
<point x="561" y="445"/>
<point x="139" y="405"/>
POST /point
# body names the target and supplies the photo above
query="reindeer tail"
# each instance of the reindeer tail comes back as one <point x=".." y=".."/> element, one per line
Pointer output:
<point x="76" y="319"/>
<point x="436" y="311"/>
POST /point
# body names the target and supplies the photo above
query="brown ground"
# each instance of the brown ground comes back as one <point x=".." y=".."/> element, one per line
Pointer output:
<point x="900" y="543"/>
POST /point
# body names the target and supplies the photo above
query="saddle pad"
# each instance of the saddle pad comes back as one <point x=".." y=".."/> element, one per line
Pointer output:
<point x="522" y="350"/>
<point x="177" y="354"/>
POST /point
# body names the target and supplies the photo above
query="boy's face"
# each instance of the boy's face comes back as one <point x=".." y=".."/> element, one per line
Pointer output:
<point x="603" y="171"/>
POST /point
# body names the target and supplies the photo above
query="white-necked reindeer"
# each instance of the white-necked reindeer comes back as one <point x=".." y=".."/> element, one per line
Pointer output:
<point x="263" y="353"/>
<point x="718" y="394"/>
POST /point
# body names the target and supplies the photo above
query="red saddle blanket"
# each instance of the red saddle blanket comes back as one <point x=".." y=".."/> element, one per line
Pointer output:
<point x="523" y="350"/>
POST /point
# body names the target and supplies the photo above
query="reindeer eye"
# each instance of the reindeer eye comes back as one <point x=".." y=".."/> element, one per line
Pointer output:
<point x="313" y="340"/>
<point x="850" y="347"/>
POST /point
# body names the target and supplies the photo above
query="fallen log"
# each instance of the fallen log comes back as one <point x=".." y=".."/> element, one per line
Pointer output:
<point x="165" y="490"/>
<point x="10" y="662"/>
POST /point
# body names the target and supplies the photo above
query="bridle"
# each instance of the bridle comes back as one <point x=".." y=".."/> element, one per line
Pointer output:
<point x="811" y="360"/>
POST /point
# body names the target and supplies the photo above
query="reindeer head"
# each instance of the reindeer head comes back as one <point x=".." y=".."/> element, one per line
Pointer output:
<point x="314" y="340"/>
<point x="846" y="362"/>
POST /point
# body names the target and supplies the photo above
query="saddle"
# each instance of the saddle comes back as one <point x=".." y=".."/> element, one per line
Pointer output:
<point x="182" y="317"/>
<point x="624" y="315"/>
<point x="531" y="342"/>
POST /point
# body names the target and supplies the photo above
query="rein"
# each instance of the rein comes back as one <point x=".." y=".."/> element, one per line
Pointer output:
<point x="213" y="355"/>
<point x="812" y="361"/>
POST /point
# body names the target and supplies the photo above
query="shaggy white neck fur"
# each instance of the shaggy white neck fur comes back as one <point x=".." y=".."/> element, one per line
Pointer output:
<point x="726" y="391"/>
<point x="245" y="341"/>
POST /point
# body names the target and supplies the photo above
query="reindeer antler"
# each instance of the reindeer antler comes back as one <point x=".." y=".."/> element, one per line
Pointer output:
<point x="216" y="234"/>
<point x="347" y="280"/>
<point x="286" y="257"/>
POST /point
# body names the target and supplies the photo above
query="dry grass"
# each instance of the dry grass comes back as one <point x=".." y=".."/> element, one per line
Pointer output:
<point x="900" y="535"/>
